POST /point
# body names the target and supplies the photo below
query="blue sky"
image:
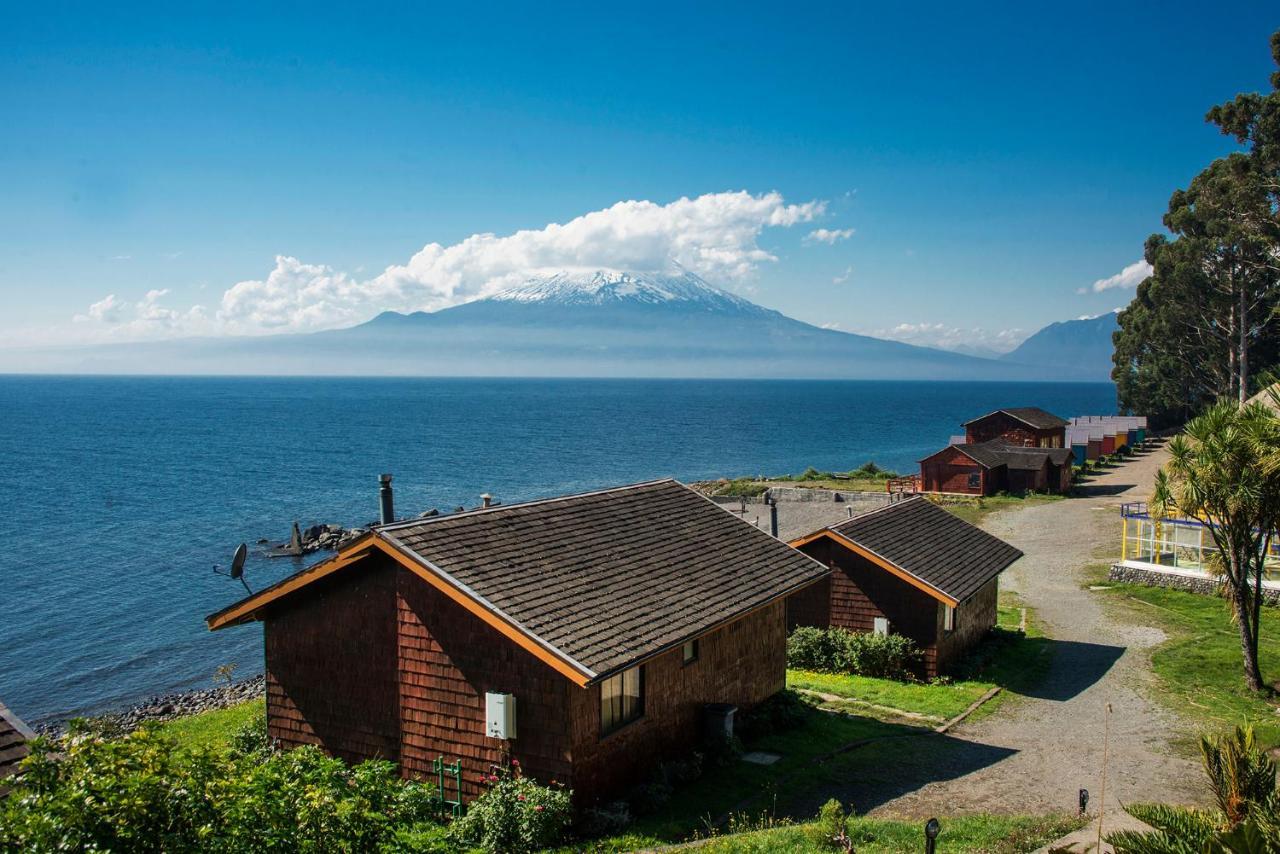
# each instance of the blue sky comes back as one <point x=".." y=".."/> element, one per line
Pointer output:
<point x="991" y="160"/>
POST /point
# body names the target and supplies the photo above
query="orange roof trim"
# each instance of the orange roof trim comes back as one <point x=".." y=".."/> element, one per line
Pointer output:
<point x="880" y="561"/>
<point x="247" y="610"/>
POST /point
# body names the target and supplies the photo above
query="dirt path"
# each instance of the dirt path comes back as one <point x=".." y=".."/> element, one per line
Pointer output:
<point x="1035" y="753"/>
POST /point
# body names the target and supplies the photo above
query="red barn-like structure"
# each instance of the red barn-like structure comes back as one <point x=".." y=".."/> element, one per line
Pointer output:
<point x="1027" y="426"/>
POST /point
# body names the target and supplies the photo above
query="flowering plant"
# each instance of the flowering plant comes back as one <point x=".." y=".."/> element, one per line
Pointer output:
<point x="515" y="814"/>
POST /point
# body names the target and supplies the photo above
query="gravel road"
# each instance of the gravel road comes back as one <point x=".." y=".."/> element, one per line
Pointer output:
<point x="1036" y="752"/>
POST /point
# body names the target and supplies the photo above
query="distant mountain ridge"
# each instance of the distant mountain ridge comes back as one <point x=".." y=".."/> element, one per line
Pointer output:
<point x="607" y="323"/>
<point x="1083" y="345"/>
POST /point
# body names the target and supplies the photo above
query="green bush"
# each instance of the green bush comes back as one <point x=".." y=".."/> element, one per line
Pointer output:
<point x="781" y="712"/>
<point x="515" y="815"/>
<point x="141" y="793"/>
<point x="836" y="650"/>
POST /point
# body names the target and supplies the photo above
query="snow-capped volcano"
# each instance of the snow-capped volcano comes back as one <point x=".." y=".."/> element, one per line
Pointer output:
<point x="611" y="287"/>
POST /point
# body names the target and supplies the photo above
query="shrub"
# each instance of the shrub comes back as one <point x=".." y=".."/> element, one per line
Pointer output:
<point x="606" y="820"/>
<point x="831" y="830"/>
<point x="812" y="648"/>
<point x="679" y="772"/>
<point x="141" y="793"/>
<point x="648" y="798"/>
<point x="515" y="815"/>
<point x="836" y="650"/>
<point x="781" y="712"/>
<point x="251" y="739"/>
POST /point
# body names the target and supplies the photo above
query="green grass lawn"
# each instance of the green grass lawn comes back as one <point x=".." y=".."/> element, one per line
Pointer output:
<point x="723" y="789"/>
<point x="1199" y="666"/>
<point x="1012" y="661"/>
<point x="969" y="834"/>
<point x="213" y="728"/>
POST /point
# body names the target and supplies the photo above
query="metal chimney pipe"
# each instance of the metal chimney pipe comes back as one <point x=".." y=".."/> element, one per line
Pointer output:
<point x="486" y="500"/>
<point x="773" y="516"/>
<point x="385" y="501"/>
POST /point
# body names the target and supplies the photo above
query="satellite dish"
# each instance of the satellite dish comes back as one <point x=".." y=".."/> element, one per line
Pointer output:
<point x="237" y="566"/>
<point x="237" y="561"/>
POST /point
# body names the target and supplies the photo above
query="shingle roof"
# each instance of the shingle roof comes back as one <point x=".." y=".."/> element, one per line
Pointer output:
<point x="14" y="735"/>
<point x="932" y="545"/>
<point x="602" y="579"/>
<point x="1032" y="416"/>
<point x="997" y="452"/>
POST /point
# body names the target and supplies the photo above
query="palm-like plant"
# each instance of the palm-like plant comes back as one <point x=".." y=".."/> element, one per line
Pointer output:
<point x="1224" y="470"/>
<point x="1243" y="780"/>
<point x="1240" y="773"/>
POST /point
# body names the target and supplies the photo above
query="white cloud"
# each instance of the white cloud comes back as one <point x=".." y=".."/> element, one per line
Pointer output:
<point x="715" y="235"/>
<point x="1129" y="277"/>
<point x="106" y="310"/>
<point x="945" y="337"/>
<point x="113" y="318"/>
<point x="843" y="277"/>
<point x="828" y="236"/>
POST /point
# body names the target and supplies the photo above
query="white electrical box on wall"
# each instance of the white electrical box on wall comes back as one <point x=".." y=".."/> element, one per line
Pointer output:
<point x="500" y="713"/>
<point x="881" y="626"/>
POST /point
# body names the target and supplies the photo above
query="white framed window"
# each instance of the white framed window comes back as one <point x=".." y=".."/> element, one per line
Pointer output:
<point x="948" y="618"/>
<point x="621" y="699"/>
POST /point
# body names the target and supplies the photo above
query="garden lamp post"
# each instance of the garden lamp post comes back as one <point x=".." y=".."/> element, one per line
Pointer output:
<point x="931" y="831"/>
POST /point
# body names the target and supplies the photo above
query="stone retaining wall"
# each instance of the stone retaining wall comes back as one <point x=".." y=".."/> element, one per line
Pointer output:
<point x="1174" y="580"/>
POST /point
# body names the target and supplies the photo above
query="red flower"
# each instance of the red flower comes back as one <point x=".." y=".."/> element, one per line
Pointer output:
<point x="538" y="808"/>
<point x="515" y="762"/>
<point x="519" y="797"/>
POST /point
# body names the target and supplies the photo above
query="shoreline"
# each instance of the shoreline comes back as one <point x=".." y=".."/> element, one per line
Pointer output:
<point x="167" y="707"/>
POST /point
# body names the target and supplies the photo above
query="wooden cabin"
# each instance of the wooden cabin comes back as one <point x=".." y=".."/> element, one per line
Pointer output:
<point x="912" y="569"/>
<point x="1028" y="426"/>
<point x="601" y="624"/>
<point x="14" y="735"/>
<point x="991" y="467"/>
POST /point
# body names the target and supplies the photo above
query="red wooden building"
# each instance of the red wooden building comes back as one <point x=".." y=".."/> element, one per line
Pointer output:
<point x="1028" y="426"/>
<point x="608" y="620"/>
<point x="987" y="468"/>
<point x="910" y="568"/>
<point x="14" y="735"/>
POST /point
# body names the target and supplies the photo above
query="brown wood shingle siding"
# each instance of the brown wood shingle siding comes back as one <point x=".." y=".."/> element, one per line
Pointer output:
<point x="331" y="667"/>
<point x="1001" y="425"/>
<point x="448" y="660"/>
<point x="742" y="663"/>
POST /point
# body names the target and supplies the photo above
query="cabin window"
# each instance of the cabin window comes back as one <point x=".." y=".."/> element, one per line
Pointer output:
<point x="621" y="699"/>
<point x="689" y="652"/>
<point x="975" y="480"/>
<point x="948" y="618"/>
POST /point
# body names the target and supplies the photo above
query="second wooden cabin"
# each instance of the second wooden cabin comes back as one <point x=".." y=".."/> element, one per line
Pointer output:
<point x="910" y="568"/>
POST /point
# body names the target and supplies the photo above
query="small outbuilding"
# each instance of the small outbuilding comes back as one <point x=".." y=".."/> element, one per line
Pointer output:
<point x="911" y="568"/>
<point x="1027" y="426"/>
<point x="987" y="468"/>
<point x="583" y="636"/>
<point x="14" y="735"/>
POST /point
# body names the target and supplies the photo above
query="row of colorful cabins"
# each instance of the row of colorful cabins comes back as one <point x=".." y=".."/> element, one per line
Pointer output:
<point x="1024" y="449"/>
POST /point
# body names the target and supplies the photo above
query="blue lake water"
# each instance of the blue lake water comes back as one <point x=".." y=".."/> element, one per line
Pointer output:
<point x="118" y="495"/>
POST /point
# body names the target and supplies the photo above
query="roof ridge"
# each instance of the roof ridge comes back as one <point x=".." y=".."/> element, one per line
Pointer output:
<point x="403" y="523"/>
<point x="864" y="514"/>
